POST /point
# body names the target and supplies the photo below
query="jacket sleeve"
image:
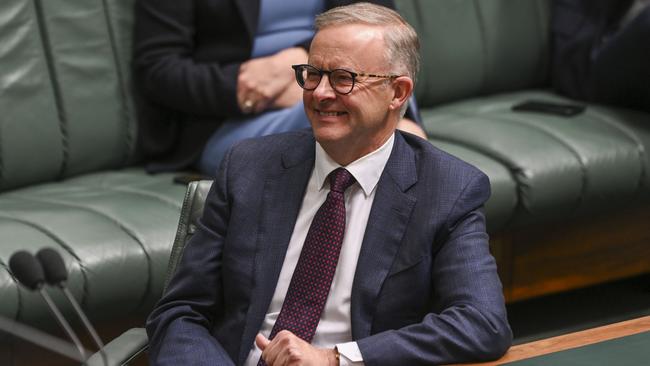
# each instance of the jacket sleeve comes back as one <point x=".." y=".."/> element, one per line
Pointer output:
<point x="165" y="68"/>
<point x="179" y="328"/>
<point x="467" y="319"/>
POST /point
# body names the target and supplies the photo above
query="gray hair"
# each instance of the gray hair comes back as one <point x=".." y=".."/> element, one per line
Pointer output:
<point x="402" y="44"/>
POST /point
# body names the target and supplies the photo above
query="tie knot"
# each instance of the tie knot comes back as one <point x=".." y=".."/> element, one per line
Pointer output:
<point x="340" y="180"/>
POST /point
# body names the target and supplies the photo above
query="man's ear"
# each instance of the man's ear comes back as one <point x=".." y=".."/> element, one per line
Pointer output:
<point x="402" y="88"/>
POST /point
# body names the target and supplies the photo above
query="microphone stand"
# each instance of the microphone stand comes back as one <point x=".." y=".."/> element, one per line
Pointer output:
<point x="86" y="322"/>
<point x="63" y="323"/>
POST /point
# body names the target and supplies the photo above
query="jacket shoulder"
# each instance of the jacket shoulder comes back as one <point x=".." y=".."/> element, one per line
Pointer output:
<point x="265" y="150"/>
<point x="433" y="158"/>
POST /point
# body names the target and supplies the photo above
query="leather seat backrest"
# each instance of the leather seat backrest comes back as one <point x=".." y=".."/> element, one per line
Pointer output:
<point x="475" y="47"/>
<point x="65" y="90"/>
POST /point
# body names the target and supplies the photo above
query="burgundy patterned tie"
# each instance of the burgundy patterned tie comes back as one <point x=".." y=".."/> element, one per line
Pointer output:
<point x="312" y="278"/>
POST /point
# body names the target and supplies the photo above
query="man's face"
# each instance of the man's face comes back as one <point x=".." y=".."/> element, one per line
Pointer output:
<point x="357" y="123"/>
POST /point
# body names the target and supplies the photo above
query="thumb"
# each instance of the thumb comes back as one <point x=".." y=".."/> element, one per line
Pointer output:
<point x="261" y="341"/>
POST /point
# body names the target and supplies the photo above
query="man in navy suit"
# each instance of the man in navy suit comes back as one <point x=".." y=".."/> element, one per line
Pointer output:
<point x="413" y="283"/>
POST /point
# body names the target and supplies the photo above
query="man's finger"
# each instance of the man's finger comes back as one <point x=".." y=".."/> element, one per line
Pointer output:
<point x="261" y="341"/>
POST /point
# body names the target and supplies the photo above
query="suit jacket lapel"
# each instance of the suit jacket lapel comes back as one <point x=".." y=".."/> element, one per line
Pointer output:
<point x="389" y="217"/>
<point x="282" y="198"/>
<point x="250" y="11"/>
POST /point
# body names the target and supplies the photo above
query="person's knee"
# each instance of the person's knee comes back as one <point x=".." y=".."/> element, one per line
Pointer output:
<point x="642" y="21"/>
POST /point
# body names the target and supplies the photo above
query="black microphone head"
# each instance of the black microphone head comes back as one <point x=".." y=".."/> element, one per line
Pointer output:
<point x="53" y="266"/>
<point x="27" y="269"/>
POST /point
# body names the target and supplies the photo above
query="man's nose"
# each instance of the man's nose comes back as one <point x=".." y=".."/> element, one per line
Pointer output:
<point x="324" y="89"/>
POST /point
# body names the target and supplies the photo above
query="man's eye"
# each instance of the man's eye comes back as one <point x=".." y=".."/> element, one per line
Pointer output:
<point x="343" y="78"/>
<point x="313" y="75"/>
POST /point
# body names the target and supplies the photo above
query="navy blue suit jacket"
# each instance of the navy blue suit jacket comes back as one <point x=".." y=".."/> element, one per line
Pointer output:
<point x="425" y="290"/>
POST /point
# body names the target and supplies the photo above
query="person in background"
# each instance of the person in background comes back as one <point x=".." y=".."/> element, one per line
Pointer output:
<point x="213" y="72"/>
<point x="601" y="51"/>
<point x="394" y="268"/>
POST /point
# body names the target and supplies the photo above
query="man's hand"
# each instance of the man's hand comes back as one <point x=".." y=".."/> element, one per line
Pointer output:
<point x="286" y="349"/>
<point x="263" y="80"/>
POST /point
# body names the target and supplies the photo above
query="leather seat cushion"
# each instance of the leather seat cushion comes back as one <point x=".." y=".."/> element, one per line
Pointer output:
<point x="114" y="230"/>
<point x="562" y="166"/>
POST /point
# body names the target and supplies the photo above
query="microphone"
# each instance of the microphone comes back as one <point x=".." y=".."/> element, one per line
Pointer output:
<point x="56" y="275"/>
<point x="29" y="273"/>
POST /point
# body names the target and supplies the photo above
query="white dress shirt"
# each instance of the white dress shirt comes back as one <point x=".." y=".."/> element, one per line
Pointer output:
<point x="334" y="328"/>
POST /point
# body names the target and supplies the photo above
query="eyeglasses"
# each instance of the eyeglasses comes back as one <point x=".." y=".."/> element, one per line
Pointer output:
<point x="341" y="80"/>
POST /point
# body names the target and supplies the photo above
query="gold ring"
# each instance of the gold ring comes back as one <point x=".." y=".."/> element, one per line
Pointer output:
<point x="248" y="106"/>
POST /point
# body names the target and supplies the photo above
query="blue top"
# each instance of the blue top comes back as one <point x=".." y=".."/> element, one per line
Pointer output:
<point x="283" y="24"/>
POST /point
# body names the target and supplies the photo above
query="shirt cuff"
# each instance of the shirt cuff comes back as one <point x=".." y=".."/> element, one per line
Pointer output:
<point x="350" y="354"/>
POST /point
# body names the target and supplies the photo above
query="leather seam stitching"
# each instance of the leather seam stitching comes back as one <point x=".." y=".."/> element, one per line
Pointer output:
<point x="484" y="50"/>
<point x="56" y="87"/>
<point x="121" y="84"/>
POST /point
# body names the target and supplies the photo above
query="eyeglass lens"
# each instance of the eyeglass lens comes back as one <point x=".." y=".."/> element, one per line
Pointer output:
<point x="309" y="77"/>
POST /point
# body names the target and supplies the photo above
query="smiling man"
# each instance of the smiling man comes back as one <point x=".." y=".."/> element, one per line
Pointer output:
<point x="351" y="245"/>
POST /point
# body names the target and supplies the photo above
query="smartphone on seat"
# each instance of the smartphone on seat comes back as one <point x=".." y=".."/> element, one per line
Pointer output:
<point x="540" y="106"/>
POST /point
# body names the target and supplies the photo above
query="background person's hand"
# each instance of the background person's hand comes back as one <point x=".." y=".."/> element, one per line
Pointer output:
<point x="289" y="97"/>
<point x="264" y="80"/>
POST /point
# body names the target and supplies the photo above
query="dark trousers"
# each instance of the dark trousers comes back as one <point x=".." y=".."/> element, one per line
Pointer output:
<point x="620" y="67"/>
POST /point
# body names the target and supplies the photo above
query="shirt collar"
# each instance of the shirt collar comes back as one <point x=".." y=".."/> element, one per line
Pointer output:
<point x="366" y="170"/>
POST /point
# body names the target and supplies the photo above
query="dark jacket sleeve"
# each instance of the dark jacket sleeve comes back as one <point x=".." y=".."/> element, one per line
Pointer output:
<point x="173" y="65"/>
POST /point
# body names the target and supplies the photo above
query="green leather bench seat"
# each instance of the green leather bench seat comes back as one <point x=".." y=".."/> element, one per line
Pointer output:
<point x="114" y="230"/>
<point x="479" y="58"/>
<point x="68" y="134"/>
<point x="560" y="165"/>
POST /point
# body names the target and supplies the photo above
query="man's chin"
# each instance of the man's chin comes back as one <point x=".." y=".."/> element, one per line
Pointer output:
<point x="328" y="132"/>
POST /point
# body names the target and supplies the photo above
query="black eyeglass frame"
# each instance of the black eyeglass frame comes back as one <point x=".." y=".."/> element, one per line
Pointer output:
<point x="300" y="67"/>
